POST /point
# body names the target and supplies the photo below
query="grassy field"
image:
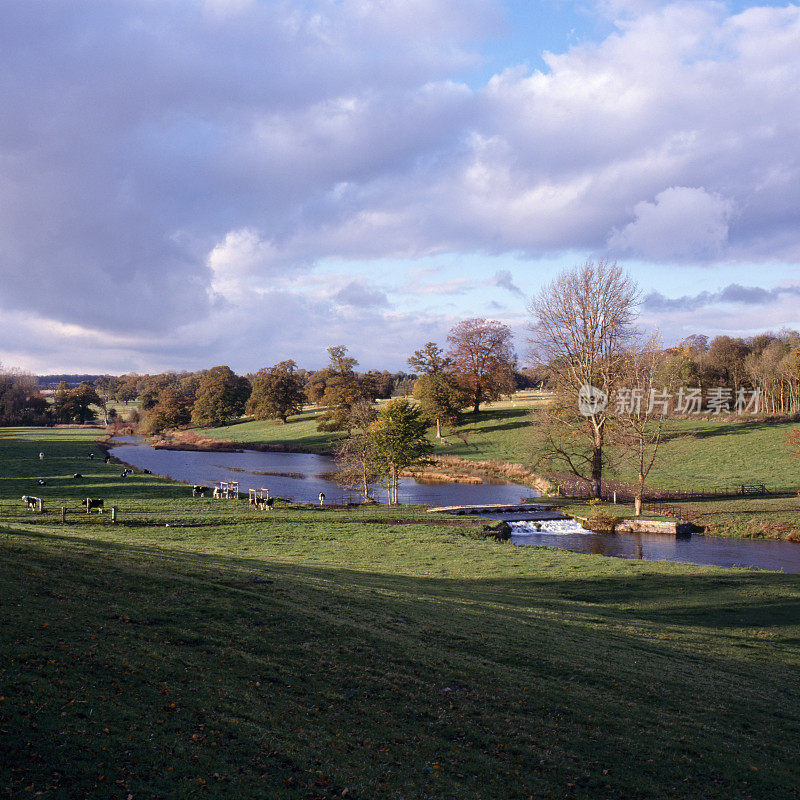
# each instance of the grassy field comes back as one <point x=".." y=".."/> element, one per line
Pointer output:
<point x="299" y="433"/>
<point x="204" y="649"/>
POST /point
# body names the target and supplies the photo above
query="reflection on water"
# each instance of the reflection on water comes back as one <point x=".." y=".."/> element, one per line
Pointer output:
<point x="298" y="476"/>
<point x="694" y="548"/>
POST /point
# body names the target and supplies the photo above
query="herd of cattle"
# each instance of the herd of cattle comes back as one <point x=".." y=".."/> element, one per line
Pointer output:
<point x="263" y="503"/>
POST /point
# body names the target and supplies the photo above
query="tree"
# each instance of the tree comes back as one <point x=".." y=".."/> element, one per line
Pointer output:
<point x="342" y="390"/>
<point x="642" y="410"/>
<point x="127" y="388"/>
<point x="430" y="360"/>
<point x="437" y="390"/>
<point x="582" y="326"/>
<point x="398" y="441"/>
<point x="441" y="398"/>
<point x="172" y="410"/>
<point x="74" y="405"/>
<point x="353" y="454"/>
<point x="277" y="392"/>
<point x="221" y="397"/>
<point x="151" y="386"/>
<point x="105" y="386"/>
<point x="483" y="359"/>
<point x="20" y="400"/>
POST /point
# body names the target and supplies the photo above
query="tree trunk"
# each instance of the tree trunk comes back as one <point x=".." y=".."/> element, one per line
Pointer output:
<point x="597" y="470"/>
<point x="438" y="429"/>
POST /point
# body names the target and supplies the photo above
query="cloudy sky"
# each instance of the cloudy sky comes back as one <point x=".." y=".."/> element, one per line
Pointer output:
<point x="185" y="183"/>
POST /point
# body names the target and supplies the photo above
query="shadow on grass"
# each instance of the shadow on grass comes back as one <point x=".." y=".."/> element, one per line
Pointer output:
<point x="747" y="599"/>
<point x="303" y="672"/>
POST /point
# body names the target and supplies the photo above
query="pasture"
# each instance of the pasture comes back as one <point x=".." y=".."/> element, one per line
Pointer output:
<point x="202" y="648"/>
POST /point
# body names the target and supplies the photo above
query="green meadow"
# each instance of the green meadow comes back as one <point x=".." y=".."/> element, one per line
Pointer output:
<point x="201" y="648"/>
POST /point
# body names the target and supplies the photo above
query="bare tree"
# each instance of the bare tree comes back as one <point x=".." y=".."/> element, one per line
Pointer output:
<point x="641" y="409"/>
<point x="582" y="325"/>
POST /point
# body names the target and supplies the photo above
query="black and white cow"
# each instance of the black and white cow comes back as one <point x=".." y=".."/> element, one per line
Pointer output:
<point x="199" y="490"/>
<point x="96" y="504"/>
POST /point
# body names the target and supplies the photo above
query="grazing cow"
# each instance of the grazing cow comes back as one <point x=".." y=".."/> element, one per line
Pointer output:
<point x="96" y="504"/>
<point x="77" y="475"/>
<point x="146" y="472"/>
<point x="199" y="490"/>
<point x="264" y="503"/>
<point x="107" y="459"/>
<point x="41" y="482"/>
<point x="91" y="456"/>
<point x="322" y="498"/>
<point x="30" y="502"/>
<point x="124" y="474"/>
<point x="41" y="456"/>
<point x="217" y="493"/>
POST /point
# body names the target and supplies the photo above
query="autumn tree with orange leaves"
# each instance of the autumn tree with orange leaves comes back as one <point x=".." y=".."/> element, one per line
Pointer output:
<point x="482" y="358"/>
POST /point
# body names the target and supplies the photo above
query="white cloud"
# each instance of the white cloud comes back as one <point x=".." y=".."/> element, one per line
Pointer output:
<point x="682" y="223"/>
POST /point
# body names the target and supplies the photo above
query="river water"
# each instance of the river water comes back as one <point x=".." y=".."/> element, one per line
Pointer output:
<point x="301" y="477"/>
<point x="695" y="548"/>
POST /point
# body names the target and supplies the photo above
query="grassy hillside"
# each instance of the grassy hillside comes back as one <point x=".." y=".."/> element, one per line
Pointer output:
<point x="299" y="433"/>
<point x="319" y="654"/>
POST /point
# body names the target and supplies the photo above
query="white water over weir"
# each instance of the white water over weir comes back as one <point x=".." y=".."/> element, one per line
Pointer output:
<point x="565" y="526"/>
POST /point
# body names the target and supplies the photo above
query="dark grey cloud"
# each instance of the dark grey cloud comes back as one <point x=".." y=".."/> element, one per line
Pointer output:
<point x="360" y="296"/>
<point x="504" y="280"/>
<point x="733" y="293"/>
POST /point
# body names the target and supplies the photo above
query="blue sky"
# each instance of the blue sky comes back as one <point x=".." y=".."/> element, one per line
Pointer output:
<point x="234" y="181"/>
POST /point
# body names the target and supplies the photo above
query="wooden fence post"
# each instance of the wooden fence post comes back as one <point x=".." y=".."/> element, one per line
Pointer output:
<point x="63" y="513"/>
<point x="113" y="515"/>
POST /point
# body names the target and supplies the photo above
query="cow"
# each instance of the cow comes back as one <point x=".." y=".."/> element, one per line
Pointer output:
<point x="264" y="503"/>
<point x="41" y="456"/>
<point x="30" y="502"/>
<point x="96" y="504"/>
<point x="42" y="482"/>
<point x="217" y="493"/>
<point x="77" y="475"/>
<point x="199" y="490"/>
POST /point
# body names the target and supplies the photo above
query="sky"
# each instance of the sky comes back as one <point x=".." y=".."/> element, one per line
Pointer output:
<point x="186" y="183"/>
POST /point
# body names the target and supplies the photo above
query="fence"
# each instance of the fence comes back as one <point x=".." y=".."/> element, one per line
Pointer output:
<point x="658" y="500"/>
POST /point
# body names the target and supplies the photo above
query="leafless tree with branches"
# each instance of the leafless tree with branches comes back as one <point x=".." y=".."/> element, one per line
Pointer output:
<point x="582" y="325"/>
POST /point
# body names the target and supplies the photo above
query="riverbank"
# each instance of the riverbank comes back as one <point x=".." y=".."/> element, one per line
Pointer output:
<point x="696" y="454"/>
<point x="287" y="654"/>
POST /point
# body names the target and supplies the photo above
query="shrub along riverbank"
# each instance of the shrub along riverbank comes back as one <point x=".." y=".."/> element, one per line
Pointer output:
<point x="362" y="653"/>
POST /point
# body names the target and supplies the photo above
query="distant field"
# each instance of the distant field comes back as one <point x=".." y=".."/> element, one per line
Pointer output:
<point x="497" y="431"/>
<point x="703" y="453"/>
<point x="202" y="648"/>
<point x="299" y="431"/>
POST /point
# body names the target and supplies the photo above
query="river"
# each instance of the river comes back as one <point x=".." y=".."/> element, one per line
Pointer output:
<point x="301" y="477"/>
